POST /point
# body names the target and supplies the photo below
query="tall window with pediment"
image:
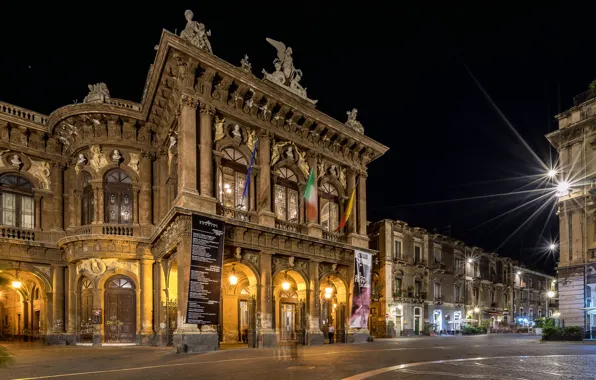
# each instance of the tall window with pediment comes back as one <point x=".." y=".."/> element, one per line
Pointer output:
<point x="286" y="195"/>
<point x="118" y="197"/>
<point x="87" y="200"/>
<point x="329" y="207"/>
<point x="231" y="186"/>
<point x="17" y="203"/>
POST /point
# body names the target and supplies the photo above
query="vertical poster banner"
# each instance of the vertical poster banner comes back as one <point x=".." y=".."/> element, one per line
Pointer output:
<point x="206" y="262"/>
<point x="361" y="291"/>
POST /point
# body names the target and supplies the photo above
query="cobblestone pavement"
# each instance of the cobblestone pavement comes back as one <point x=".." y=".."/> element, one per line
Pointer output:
<point x="480" y="357"/>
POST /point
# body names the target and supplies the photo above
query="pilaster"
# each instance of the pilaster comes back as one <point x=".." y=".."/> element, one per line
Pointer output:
<point x="147" y="333"/>
<point x="315" y="335"/>
<point x="187" y="153"/>
<point x="266" y="336"/>
<point x="266" y="216"/>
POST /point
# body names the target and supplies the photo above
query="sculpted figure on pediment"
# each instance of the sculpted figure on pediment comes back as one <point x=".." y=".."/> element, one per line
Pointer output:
<point x="196" y="33"/>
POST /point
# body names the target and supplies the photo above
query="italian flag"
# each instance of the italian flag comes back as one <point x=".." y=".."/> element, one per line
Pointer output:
<point x="348" y="211"/>
<point x="310" y="195"/>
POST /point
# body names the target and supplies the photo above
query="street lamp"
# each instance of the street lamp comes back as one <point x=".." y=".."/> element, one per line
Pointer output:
<point x="328" y="290"/>
<point x="552" y="246"/>
<point x="470" y="261"/>
<point x="551" y="173"/>
<point x="476" y="310"/>
<point x="233" y="277"/>
<point x="519" y="273"/>
<point x="286" y="284"/>
<point x="550" y="294"/>
<point x="17" y="283"/>
<point x="563" y="188"/>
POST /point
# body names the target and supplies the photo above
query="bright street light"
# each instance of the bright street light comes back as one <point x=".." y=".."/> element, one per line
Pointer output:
<point x="476" y="310"/>
<point x="470" y="261"/>
<point x="552" y="246"/>
<point x="550" y="294"/>
<point x="552" y="173"/>
<point x="563" y="188"/>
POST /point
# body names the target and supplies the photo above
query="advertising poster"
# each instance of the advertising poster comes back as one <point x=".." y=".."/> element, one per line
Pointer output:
<point x="361" y="291"/>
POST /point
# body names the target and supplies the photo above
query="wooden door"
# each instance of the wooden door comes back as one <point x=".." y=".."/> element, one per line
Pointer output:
<point x="120" y="317"/>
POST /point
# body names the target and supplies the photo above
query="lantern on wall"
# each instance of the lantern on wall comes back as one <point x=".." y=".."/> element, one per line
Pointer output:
<point x="233" y="277"/>
<point x="286" y="284"/>
<point x="328" y="289"/>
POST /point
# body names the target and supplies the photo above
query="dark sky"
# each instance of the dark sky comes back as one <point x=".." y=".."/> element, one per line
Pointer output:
<point x="402" y="67"/>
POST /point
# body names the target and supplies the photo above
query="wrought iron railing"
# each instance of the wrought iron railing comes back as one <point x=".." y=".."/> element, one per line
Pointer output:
<point x="584" y="97"/>
<point x="234" y="213"/>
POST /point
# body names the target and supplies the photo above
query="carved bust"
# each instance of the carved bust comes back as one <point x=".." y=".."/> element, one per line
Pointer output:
<point x="236" y="132"/>
<point x="16" y="161"/>
<point x="116" y="156"/>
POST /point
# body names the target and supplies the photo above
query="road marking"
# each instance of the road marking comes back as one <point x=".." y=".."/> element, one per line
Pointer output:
<point x="366" y="375"/>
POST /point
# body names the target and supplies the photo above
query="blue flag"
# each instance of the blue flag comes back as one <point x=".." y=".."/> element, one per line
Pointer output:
<point x="248" y="174"/>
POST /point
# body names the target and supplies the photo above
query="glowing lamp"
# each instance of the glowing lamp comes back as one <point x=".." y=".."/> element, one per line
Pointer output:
<point x="470" y="261"/>
<point x="476" y="310"/>
<point x="552" y="173"/>
<point x="233" y="277"/>
<point x="550" y="294"/>
<point x="16" y="284"/>
<point x="286" y="284"/>
<point x="563" y="188"/>
<point x="519" y="273"/>
<point x="400" y="307"/>
<point x="552" y="247"/>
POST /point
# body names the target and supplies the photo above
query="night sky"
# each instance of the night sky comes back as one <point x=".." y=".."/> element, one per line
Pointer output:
<point x="404" y="68"/>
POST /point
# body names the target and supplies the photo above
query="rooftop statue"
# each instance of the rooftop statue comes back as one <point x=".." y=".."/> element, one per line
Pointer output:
<point x="98" y="93"/>
<point x="286" y="74"/>
<point x="352" y="122"/>
<point x="195" y="33"/>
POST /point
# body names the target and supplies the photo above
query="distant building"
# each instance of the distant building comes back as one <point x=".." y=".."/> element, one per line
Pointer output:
<point x="576" y="179"/>
<point x="422" y="277"/>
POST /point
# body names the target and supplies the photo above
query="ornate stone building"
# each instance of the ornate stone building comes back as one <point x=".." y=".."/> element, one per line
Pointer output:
<point x="423" y="277"/>
<point x="576" y="272"/>
<point x="96" y="203"/>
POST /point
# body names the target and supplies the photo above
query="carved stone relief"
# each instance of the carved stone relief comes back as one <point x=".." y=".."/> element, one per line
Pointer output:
<point x="41" y="171"/>
<point x="134" y="162"/>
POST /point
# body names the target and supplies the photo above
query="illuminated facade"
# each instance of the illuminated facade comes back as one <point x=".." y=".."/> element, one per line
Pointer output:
<point x="97" y="200"/>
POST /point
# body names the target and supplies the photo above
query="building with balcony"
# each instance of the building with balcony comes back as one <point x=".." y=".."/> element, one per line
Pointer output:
<point x="423" y="277"/>
<point x="576" y="271"/>
<point x="535" y="295"/>
<point x="97" y="198"/>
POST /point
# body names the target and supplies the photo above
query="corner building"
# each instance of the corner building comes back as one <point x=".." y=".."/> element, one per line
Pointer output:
<point x="97" y="198"/>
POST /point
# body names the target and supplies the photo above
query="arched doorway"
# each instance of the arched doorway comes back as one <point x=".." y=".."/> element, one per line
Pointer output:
<point x="290" y="309"/>
<point x="239" y="285"/>
<point x="333" y="295"/>
<point x="120" y="314"/>
<point x="86" y="328"/>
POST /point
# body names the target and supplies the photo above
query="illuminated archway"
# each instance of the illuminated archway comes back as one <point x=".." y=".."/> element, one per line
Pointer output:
<point x="333" y="300"/>
<point x="289" y="292"/>
<point x="238" y="294"/>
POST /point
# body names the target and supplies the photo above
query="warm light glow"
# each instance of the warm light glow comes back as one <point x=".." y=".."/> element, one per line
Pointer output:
<point x="233" y="279"/>
<point x="552" y="173"/>
<point x="285" y="285"/>
<point x="334" y="305"/>
<point x="470" y="261"/>
<point x="550" y="294"/>
<point x="327" y="295"/>
<point x="552" y="247"/>
<point x="563" y="188"/>
<point x="476" y="310"/>
<point x="329" y="290"/>
<point x="518" y="273"/>
<point x="16" y="284"/>
<point x="400" y="307"/>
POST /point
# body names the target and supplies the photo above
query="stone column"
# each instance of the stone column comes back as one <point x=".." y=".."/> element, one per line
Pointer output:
<point x="164" y="174"/>
<point x="187" y="153"/>
<point x="37" y="200"/>
<point x="96" y="218"/>
<point x="71" y="330"/>
<point x="352" y="222"/>
<point x="99" y="203"/>
<point x="206" y="150"/>
<point x="147" y="302"/>
<point x="135" y="204"/>
<point x="162" y="312"/>
<point x="362" y="204"/>
<point x="57" y="174"/>
<point x="145" y="204"/>
<point x="57" y="322"/>
<point x="189" y="337"/>
<point x="266" y="334"/>
<point x="266" y="217"/>
<point x="315" y="335"/>
<point x="69" y="212"/>
<point x="26" y="306"/>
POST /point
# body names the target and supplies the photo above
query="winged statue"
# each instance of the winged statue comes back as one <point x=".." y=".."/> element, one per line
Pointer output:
<point x="284" y="58"/>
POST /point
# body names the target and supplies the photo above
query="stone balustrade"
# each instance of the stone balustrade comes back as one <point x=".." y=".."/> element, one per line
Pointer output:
<point x="234" y="213"/>
<point x="8" y="232"/>
<point x="334" y="236"/>
<point x="124" y="104"/>
<point x="23" y="113"/>
<point x="288" y="226"/>
<point x="117" y="229"/>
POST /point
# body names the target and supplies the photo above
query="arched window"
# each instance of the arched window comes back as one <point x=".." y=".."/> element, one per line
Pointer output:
<point x="118" y="197"/>
<point x="286" y="195"/>
<point x="87" y="200"/>
<point x="231" y="186"/>
<point x="329" y="207"/>
<point x="17" y="202"/>
<point x="119" y="282"/>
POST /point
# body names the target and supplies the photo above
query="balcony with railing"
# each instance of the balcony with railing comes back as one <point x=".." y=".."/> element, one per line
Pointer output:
<point x="30" y="235"/>
<point x="288" y="226"/>
<point x="334" y="236"/>
<point x="23" y="113"/>
<point x="234" y="213"/>
<point x="584" y="97"/>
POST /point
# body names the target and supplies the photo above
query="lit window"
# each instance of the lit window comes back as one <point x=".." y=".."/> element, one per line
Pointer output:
<point x="329" y="207"/>
<point x="286" y="195"/>
<point x="87" y="200"/>
<point x="231" y="186"/>
<point x="17" y="204"/>
<point x="118" y="197"/>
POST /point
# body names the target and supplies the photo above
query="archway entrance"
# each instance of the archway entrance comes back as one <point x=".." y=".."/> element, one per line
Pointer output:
<point x="333" y="294"/>
<point x="290" y="308"/>
<point x="86" y="328"/>
<point x="239" y="285"/>
<point x="120" y="304"/>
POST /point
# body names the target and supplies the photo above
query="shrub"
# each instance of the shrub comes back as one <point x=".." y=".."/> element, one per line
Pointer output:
<point x="572" y="331"/>
<point x="551" y="331"/>
<point x="544" y="322"/>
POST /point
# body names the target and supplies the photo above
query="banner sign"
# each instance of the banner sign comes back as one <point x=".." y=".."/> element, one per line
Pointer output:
<point x="206" y="260"/>
<point x="361" y="291"/>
